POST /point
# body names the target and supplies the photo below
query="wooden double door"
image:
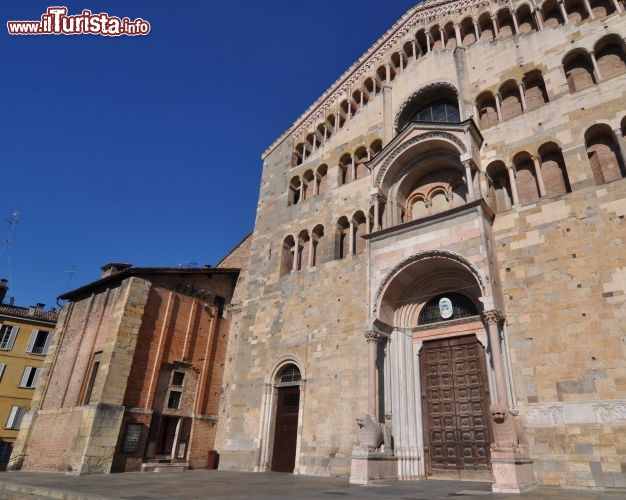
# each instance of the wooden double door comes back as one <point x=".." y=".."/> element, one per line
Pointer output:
<point x="455" y="403"/>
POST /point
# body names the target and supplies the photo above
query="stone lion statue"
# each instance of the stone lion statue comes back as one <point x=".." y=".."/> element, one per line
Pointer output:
<point x="507" y="436"/>
<point x="370" y="433"/>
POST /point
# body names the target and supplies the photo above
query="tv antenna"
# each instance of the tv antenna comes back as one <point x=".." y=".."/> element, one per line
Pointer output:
<point x="13" y="221"/>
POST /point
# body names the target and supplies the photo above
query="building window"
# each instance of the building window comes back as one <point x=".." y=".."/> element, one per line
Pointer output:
<point x="15" y="417"/>
<point x="174" y="400"/>
<point x="2" y="367"/>
<point x="95" y="366"/>
<point x="7" y="336"/>
<point x="178" y="378"/>
<point x="219" y="302"/>
<point x="30" y="376"/>
<point x="39" y="342"/>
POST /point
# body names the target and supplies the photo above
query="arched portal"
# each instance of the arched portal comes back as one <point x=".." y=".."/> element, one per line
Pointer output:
<point x="287" y="386"/>
<point x="440" y="365"/>
<point x="281" y="417"/>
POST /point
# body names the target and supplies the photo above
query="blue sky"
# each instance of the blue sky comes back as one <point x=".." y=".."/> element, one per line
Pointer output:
<point x="147" y="149"/>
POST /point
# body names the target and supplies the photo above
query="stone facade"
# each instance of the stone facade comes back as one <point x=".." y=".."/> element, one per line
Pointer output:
<point x="442" y="230"/>
<point x="133" y="378"/>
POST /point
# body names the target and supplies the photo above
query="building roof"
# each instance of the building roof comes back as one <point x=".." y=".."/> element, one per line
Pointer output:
<point x="29" y="313"/>
<point x="144" y="272"/>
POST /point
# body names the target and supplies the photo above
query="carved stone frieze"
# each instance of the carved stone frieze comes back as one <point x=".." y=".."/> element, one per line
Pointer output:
<point x="590" y="413"/>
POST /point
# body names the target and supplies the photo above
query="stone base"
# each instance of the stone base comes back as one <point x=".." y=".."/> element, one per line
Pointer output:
<point x="370" y="467"/>
<point x="512" y="472"/>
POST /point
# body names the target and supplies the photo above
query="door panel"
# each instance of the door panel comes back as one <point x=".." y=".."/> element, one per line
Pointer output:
<point x="455" y="401"/>
<point x="286" y="432"/>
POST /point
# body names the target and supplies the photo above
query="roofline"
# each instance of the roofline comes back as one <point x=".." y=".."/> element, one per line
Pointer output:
<point x="234" y="248"/>
<point x="422" y="5"/>
<point x="28" y="319"/>
<point x="140" y="271"/>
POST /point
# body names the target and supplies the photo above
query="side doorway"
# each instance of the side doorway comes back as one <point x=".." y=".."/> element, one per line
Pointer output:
<point x="286" y="423"/>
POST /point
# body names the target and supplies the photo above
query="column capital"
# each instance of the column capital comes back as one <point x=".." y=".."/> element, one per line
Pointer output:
<point x="371" y="336"/>
<point x="493" y="317"/>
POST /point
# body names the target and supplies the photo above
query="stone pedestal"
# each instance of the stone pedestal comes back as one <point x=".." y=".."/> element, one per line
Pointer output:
<point x="369" y="467"/>
<point x="512" y="472"/>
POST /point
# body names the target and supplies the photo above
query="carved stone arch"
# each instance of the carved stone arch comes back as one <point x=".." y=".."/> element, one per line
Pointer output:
<point x="280" y="363"/>
<point x="454" y="257"/>
<point x="436" y="135"/>
<point x="424" y="90"/>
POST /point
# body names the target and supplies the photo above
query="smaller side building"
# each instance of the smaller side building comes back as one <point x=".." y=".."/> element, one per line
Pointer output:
<point x="133" y="378"/>
<point x="25" y="337"/>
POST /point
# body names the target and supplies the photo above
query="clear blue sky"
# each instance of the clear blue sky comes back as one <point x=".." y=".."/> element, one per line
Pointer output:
<point x="147" y="149"/>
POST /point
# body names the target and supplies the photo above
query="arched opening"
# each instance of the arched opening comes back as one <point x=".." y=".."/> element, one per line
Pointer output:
<point x="318" y="242"/>
<point x="607" y="165"/>
<point x="485" y="27"/>
<point x="421" y="300"/>
<point x="322" y="133"/>
<point x="288" y="253"/>
<point x="287" y="413"/>
<point x="376" y="147"/>
<point x="450" y="35"/>
<point x="578" y="70"/>
<point x="535" y="93"/>
<point x="506" y="28"/>
<point x="601" y="8"/>
<point x="409" y="50"/>
<point x="298" y="155"/>
<point x="359" y="225"/>
<point x="576" y="10"/>
<point x="320" y="178"/>
<point x="487" y="110"/>
<point x="422" y="42"/>
<point x="436" y="37"/>
<point x="510" y="100"/>
<point x="345" y="169"/>
<point x="468" y="33"/>
<point x="525" y="19"/>
<point x="398" y="61"/>
<point x="609" y="51"/>
<point x="360" y="158"/>
<point x="525" y="178"/>
<point x="360" y="97"/>
<point x="330" y="124"/>
<point x="372" y="86"/>
<point x="294" y="191"/>
<point x="551" y="13"/>
<point x="342" y="238"/>
<point x="499" y="187"/>
<point x="311" y="141"/>
<point x="553" y="170"/>
<point x="437" y="103"/>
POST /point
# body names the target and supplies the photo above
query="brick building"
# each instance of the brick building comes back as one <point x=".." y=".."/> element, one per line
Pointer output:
<point x="133" y="380"/>
<point x="25" y="336"/>
<point x="439" y="245"/>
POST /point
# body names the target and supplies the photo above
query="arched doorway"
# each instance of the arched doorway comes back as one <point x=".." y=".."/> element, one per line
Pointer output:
<point x="286" y="423"/>
<point x="440" y="367"/>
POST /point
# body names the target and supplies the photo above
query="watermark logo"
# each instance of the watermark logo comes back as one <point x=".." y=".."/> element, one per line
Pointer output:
<point x="56" y="21"/>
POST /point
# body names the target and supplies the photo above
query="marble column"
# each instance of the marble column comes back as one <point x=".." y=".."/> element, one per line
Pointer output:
<point x="513" y="184"/>
<point x="492" y="320"/>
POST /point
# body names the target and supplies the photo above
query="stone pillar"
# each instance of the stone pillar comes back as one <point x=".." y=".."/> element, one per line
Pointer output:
<point x="539" y="18"/>
<point x="443" y="38"/>
<point x="620" y="143"/>
<point x="494" y="22"/>
<point x="542" y="187"/>
<point x="427" y="42"/>
<point x="498" y="107"/>
<point x="589" y="10"/>
<point x="563" y="12"/>
<point x="387" y="74"/>
<point x="513" y="184"/>
<point x="351" y="242"/>
<point x="457" y="33"/>
<point x="492" y="319"/>
<point x="596" y="70"/>
<point x="414" y="45"/>
<point x="476" y="30"/>
<point x="468" y="180"/>
<point x="618" y="7"/>
<point x="515" y="23"/>
<point x="520" y="87"/>
<point x="387" y="115"/>
<point x="372" y="396"/>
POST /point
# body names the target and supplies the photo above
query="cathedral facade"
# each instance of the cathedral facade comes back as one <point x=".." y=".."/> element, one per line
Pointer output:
<point x="439" y="238"/>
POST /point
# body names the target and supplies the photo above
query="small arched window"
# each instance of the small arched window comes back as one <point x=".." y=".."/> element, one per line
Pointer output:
<point x="447" y="307"/>
<point x="289" y="374"/>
